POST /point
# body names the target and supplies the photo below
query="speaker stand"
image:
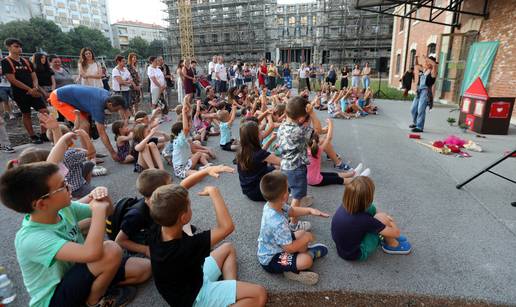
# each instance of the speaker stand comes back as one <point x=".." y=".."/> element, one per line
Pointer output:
<point x="379" y="90"/>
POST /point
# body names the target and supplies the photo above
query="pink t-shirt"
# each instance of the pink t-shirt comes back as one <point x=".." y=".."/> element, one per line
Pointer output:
<point x="313" y="173"/>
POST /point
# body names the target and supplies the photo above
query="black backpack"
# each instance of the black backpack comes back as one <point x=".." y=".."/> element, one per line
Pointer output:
<point x="114" y="221"/>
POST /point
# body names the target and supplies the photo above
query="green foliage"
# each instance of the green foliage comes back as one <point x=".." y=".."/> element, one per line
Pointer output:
<point x="156" y="47"/>
<point x="40" y="34"/>
<point x="139" y="46"/>
<point x="451" y="120"/>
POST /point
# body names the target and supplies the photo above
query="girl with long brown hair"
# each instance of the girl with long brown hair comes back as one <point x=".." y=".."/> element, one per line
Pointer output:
<point x="90" y="71"/>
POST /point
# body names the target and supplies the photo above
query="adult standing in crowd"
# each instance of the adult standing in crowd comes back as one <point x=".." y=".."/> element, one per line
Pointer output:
<point x="168" y="78"/>
<point x="136" y="91"/>
<point x="90" y="71"/>
<point x="25" y="88"/>
<point x="221" y="77"/>
<point x="197" y="86"/>
<point x="365" y="75"/>
<point x="320" y="75"/>
<point x="304" y="73"/>
<point x="332" y="75"/>
<point x="211" y="70"/>
<point x="105" y="79"/>
<point x="427" y="73"/>
<point x="157" y="81"/>
<point x="355" y="79"/>
<point x="92" y="102"/>
<point x="313" y="75"/>
<point x="279" y="79"/>
<point x="287" y="75"/>
<point x="262" y="73"/>
<point x="188" y="81"/>
<point x="46" y="78"/>
<point x="406" y="81"/>
<point x="122" y="83"/>
<point x="248" y="75"/>
<point x="180" y="80"/>
<point x="62" y="75"/>
<point x="344" y="77"/>
<point x="272" y="73"/>
<point x="5" y="94"/>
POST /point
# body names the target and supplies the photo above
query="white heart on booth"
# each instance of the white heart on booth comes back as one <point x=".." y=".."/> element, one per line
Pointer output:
<point x="499" y="110"/>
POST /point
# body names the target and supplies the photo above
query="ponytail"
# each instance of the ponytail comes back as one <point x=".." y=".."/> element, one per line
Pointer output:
<point x="314" y="144"/>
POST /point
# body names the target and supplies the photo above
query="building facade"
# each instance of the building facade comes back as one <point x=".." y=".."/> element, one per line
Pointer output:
<point x="320" y="32"/>
<point x="125" y="30"/>
<point x="67" y="14"/>
<point x="451" y="47"/>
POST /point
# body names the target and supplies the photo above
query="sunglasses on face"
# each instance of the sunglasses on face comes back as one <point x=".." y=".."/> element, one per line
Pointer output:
<point x="65" y="186"/>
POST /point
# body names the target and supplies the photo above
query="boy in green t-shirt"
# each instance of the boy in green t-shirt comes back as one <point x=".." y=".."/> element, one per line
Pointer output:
<point x="59" y="266"/>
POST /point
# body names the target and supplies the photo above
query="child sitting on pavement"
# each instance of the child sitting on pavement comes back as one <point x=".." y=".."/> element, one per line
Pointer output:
<point x="281" y="250"/>
<point x="226" y="122"/>
<point x="59" y="266"/>
<point x="186" y="271"/>
<point x="358" y="228"/>
<point x="137" y="222"/>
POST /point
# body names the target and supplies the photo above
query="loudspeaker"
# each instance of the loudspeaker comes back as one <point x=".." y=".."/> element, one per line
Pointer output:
<point x="381" y="64"/>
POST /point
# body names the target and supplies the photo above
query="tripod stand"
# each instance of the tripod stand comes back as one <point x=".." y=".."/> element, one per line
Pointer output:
<point x="379" y="90"/>
<point x="488" y="170"/>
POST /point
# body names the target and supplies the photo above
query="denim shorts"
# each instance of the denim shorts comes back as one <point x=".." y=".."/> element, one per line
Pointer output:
<point x="297" y="182"/>
<point x="214" y="292"/>
<point x="5" y="93"/>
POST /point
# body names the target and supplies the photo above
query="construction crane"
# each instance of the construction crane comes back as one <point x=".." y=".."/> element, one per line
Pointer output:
<point x="185" y="29"/>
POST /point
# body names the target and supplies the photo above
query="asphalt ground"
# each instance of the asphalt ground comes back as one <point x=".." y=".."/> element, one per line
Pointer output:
<point x="464" y="241"/>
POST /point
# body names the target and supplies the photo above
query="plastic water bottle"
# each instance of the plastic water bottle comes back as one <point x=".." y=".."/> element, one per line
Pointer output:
<point x="7" y="294"/>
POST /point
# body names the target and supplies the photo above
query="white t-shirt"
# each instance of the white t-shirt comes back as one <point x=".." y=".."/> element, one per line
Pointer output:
<point x="156" y="72"/>
<point x="220" y="71"/>
<point x="125" y="75"/>
<point x="3" y="80"/>
<point x="304" y="72"/>
<point x="211" y="70"/>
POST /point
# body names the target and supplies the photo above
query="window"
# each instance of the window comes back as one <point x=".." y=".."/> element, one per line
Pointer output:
<point x="226" y="37"/>
<point x="304" y="20"/>
<point x="412" y="57"/>
<point x="398" y="64"/>
<point x="402" y="23"/>
<point x="314" y="20"/>
<point x="292" y="21"/>
<point x="431" y="49"/>
<point x="325" y="56"/>
<point x="281" y="21"/>
<point x="214" y="38"/>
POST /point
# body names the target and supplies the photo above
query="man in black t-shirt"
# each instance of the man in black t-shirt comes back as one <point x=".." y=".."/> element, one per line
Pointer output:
<point x="24" y="83"/>
<point x="184" y="269"/>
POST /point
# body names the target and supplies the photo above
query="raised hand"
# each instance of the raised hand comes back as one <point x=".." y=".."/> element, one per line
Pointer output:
<point x="48" y="121"/>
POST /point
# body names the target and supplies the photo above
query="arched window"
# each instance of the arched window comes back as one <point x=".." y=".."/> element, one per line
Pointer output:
<point x="412" y="57"/>
<point x="431" y="49"/>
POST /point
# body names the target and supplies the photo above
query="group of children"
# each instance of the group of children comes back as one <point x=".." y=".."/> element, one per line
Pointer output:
<point x="346" y="103"/>
<point x="61" y="249"/>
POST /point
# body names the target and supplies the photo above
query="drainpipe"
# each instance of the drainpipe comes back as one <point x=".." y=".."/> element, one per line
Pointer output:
<point x="406" y="48"/>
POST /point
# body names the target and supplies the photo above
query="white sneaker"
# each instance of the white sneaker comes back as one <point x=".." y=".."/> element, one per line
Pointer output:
<point x="366" y="173"/>
<point x="358" y="169"/>
<point x="99" y="171"/>
<point x="300" y="225"/>
<point x="304" y="277"/>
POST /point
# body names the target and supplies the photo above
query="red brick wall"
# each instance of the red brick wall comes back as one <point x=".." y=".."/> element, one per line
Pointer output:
<point x="501" y="26"/>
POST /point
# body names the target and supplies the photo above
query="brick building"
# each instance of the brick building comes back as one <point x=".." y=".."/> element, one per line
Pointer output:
<point x="450" y="45"/>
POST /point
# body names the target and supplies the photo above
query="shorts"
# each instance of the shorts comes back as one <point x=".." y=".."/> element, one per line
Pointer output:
<point x="214" y="292"/>
<point x="5" y="93"/>
<point x="371" y="241"/>
<point x="227" y="146"/>
<point x="221" y="86"/>
<point x="282" y="262"/>
<point x="297" y="182"/>
<point x="155" y="94"/>
<point x="25" y="102"/>
<point x="181" y="170"/>
<point x="65" y="109"/>
<point x="75" y="286"/>
<point x="127" y="98"/>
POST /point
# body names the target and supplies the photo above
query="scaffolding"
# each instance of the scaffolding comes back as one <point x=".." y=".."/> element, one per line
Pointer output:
<point x="185" y="29"/>
<point x="321" y="32"/>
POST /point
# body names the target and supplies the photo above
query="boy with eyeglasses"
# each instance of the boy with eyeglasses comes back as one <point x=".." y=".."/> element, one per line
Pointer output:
<point x="59" y="266"/>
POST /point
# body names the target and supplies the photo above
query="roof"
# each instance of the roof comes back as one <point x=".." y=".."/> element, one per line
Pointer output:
<point x="135" y="23"/>
<point x="476" y="90"/>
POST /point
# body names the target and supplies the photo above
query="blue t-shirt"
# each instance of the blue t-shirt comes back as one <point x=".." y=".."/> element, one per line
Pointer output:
<point x="91" y="100"/>
<point x="274" y="233"/>
<point x="181" y="150"/>
<point x="225" y="133"/>
<point x="343" y="104"/>
<point x="348" y="231"/>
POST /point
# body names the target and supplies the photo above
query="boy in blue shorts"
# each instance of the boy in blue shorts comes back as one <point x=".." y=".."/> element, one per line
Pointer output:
<point x="59" y="266"/>
<point x="281" y="250"/>
<point x="185" y="272"/>
<point x="293" y="136"/>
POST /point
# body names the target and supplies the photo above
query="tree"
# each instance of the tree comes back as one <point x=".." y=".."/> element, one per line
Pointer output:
<point x="81" y="37"/>
<point x="139" y="46"/>
<point x="157" y="47"/>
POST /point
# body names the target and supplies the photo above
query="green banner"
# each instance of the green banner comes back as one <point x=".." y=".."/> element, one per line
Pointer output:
<point x="480" y="62"/>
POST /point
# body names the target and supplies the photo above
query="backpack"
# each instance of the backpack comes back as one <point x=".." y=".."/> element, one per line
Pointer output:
<point x="23" y="60"/>
<point x="114" y="221"/>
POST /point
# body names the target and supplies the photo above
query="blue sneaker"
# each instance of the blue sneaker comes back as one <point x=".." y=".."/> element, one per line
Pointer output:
<point x="364" y="113"/>
<point x="318" y="250"/>
<point x="403" y="248"/>
<point x="402" y="238"/>
<point x="343" y="166"/>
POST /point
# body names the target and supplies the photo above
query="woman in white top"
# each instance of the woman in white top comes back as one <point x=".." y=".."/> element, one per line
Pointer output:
<point x="157" y="80"/>
<point x="355" y="79"/>
<point x="365" y="75"/>
<point x="90" y="71"/>
<point x="122" y="82"/>
<point x="180" y="88"/>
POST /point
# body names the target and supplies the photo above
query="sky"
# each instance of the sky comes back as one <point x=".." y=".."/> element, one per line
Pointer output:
<point x="150" y="11"/>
